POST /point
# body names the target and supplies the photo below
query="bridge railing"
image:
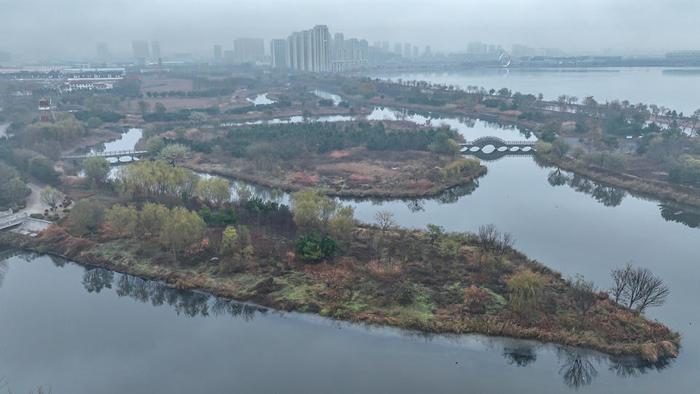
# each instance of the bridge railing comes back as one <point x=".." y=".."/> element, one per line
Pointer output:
<point x="493" y="141"/>
<point x="117" y="153"/>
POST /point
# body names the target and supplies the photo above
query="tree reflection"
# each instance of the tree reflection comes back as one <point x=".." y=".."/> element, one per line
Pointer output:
<point x="520" y="356"/>
<point x="687" y="216"/>
<point x="577" y="370"/>
<point x="96" y="279"/>
<point x="557" y="178"/>
<point x="415" y="205"/>
<point x="630" y="367"/>
<point x="453" y="194"/>
<point x="3" y="269"/>
<point x="188" y="303"/>
<point x="606" y="195"/>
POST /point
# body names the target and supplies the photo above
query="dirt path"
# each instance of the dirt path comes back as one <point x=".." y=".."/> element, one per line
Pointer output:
<point x="34" y="203"/>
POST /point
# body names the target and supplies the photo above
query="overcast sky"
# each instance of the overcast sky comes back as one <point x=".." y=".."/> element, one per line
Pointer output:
<point x="30" y="28"/>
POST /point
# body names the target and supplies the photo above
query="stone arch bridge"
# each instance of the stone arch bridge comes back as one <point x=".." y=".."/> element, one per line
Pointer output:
<point x="491" y="148"/>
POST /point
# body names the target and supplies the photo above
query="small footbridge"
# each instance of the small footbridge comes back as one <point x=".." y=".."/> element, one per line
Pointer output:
<point x="492" y="148"/>
<point x="119" y="155"/>
<point x="9" y="219"/>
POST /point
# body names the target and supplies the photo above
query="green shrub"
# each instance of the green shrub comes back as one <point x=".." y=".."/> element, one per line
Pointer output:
<point x="314" y="247"/>
<point x="218" y="217"/>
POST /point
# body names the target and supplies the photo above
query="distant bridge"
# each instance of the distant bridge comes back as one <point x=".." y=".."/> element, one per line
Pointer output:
<point x="491" y="148"/>
<point x="118" y="154"/>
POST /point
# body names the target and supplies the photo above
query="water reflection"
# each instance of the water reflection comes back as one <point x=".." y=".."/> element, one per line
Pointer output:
<point x="685" y="215"/>
<point x="188" y="303"/>
<point x="604" y="194"/>
<point x="577" y="369"/>
<point x="612" y="197"/>
<point x="630" y="367"/>
<point x="520" y="356"/>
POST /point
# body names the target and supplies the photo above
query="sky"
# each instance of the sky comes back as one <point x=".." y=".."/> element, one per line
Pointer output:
<point x="34" y="29"/>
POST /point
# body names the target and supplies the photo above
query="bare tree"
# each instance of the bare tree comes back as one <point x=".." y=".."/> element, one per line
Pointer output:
<point x="385" y="220"/>
<point x="582" y="293"/>
<point x="620" y="277"/>
<point x="638" y="288"/>
<point x="489" y="237"/>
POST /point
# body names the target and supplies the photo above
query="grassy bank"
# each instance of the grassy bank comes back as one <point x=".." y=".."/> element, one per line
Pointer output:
<point x="422" y="280"/>
<point x="366" y="190"/>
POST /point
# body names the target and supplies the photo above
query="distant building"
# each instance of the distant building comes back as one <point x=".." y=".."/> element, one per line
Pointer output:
<point x="683" y="55"/>
<point x="93" y="74"/>
<point x="103" y="54"/>
<point x="477" y="48"/>
<point x="141" y="52"/>
<point x="397" y="48"/>
<point x="155" y="52"/>
<point x="72" y="86"/>
<point x="217" y="54"/>
<point x="249" y="50"/>
<point x="349" y="54"/>
<point x="310" y="50"/>
<point x="229" y="57"/>
<point x="428" y="51"/>
<point x="522" y="51"/>
<point x="407" y="50"/>
<point x="279" y="53"/>
<point x="385" y="46"/>
<point x="315" y="50"/>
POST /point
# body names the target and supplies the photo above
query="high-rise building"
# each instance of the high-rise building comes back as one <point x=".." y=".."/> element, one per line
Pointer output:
<point x="229" y="57"/>
<point x="415" y="51"/>
<point x="249" y="50"/>
<point x="279" y="53"/>
<point x="385" y="46"/>
<point x="338" y="46"/>
<point x="477" y="48"/>
<point x="217" y="54"/>
<point x="155" y="51"/>
<point x="103" y="52"/>
<point x="407" y="50"/>
<point x="522" y="51"/>
<point x="310" y="50"/>
<point x="141" y="52"/>
<point x="428" y="51"/>
<point x="397" y="48"/>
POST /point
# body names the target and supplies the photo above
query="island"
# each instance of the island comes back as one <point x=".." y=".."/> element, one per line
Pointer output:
<point x="165" y="222"/>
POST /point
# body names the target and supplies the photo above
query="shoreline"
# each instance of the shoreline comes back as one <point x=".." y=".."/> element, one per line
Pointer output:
<point x="345" y="193"/>
<point x="188" y="279"/>
<point x="651" y="189"/>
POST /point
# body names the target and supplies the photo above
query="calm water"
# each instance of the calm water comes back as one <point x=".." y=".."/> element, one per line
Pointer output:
<point x="673" y="88"/>
<point x="137" y="336"/>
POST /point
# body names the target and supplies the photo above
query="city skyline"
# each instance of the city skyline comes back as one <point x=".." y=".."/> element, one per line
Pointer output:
<point x="444" y="25"/>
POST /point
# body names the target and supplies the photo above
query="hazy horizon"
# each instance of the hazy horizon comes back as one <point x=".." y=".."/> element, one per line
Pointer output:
<point x="60" y="29"/>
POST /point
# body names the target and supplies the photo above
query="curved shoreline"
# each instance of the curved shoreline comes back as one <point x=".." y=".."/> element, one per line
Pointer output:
<point x="344" y="193"/>
<point x="656" y="190"/>
<point x="187" y="279"/>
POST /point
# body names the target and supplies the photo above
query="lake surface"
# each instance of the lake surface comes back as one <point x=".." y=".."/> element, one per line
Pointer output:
<point x="139" y="337"/>
<point x="673" y="88"/>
